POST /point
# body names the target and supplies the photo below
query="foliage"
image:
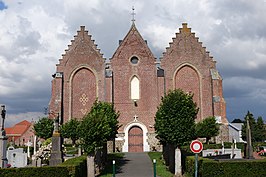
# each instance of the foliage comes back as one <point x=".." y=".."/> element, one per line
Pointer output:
<point x="175" y="118"/>
<point x="210" y="168"/>
<point x="258" y="130"/>
<point x="108" y="170"/>
<point x="77" y="167"/>
<point x="71" y="130"/>
<point x="98" y="126"/>
<point x="161" y="169"/>
<point x="46" y="142"/>
<point x="44" y="128"/>
<point x="207" y="128"/>
<point x="70" y="150"/>
<point x="35" y="172"/>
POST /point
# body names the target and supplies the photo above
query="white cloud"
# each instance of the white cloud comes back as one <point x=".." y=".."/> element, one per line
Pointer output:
<point x="34" y="34"/>
<point x="12" y="119"/>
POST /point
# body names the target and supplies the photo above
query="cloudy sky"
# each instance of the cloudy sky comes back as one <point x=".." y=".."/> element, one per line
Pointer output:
<point x="35" y="33"/>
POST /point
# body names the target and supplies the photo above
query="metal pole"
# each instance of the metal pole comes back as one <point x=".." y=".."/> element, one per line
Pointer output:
<point x="113" y="168"/>
<point x="196" y="165"/>
<point x="154" y="167"/>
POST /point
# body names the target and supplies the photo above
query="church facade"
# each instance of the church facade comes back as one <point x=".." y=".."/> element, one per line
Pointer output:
<point x="134" y="81"/>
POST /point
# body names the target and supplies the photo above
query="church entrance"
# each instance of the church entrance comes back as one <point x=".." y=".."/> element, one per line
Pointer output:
<point x="135" y="139"/>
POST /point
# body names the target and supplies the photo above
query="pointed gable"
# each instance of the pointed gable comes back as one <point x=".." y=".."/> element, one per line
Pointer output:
<point x="82" y="66"/>
<point x="190" y="67"/>
<point x="186" y="47"/>
<point x="81" y="50"/>
<point x="133" y="44"/>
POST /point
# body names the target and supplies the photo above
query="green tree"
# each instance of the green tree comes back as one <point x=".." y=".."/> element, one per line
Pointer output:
<point x="175" y="118"/>
<point x="252" y="123"/>
<point x="260" y="130"/>
<point x="207" y="128"/>
<point x="44" y="128"/>
<point x="98" y="126"/>
<point x="71" y="130"/>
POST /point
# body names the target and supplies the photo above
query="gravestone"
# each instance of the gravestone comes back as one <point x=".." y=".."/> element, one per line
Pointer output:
<point x="249" y="148"/>
<point x="56" y="152"/>
<point x="28" y="144"/>
<point x="16" y="157"/>
<point x="39" y="162"/>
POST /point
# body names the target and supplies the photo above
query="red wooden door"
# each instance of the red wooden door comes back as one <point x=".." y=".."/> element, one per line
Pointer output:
<point x="135" y="139"/>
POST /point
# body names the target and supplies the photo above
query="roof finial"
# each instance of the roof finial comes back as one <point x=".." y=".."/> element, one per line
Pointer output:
<point x="133" y="14"/>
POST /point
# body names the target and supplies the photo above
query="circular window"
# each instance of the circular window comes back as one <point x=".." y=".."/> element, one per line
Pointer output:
<point x="134" y="60"/>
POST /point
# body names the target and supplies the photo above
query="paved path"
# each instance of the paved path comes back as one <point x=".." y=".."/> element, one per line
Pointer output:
<point x="135" y="165"/>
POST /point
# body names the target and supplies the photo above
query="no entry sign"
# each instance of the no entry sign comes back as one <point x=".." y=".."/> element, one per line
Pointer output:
<point x="196" y="146"/>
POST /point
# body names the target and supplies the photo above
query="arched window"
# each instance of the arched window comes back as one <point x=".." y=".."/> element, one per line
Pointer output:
<point x="134" y="88"/>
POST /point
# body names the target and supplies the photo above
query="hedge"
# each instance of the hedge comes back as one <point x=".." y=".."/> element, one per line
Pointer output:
<point x="35" y="172"/>
<point x="210" y="168"/>
<point x="75" y="167"/>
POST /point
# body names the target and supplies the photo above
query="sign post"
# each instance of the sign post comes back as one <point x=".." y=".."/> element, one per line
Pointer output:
<point x="196" y="147"/>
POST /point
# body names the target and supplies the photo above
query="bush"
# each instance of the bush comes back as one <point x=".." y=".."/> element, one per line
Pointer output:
<point x="210" y="168"/>
<point x="76" y="167"/>
<point x="35" y="172"/>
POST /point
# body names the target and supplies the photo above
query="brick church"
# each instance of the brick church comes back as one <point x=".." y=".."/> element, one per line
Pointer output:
<point x="134" y="80"/>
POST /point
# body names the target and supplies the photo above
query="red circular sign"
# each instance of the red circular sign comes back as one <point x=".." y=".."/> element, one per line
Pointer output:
<point x="196" y="146"/>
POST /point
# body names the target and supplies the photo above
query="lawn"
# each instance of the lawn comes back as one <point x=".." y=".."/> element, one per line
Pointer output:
<point x="161" y="169"/>
<point x="108" y="171"/>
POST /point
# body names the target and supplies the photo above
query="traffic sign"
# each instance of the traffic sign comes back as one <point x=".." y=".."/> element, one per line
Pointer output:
<point x="196" y="146"/>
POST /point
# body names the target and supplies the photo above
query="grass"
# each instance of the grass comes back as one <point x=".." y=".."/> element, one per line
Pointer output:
<point x="161" y="169"/>
<point x="108" y="171"/>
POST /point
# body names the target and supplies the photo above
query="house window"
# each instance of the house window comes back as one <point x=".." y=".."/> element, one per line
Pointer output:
<point x="134" y="60"/>
<point x="135" y="88"/>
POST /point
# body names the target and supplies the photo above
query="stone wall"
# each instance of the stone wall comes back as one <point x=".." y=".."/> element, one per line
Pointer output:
<point x="119" y="142"/>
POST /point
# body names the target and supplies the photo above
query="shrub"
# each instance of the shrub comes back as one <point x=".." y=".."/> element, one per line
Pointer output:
<point x="35" y="172"/>
<point x="210" y="168"/>
<point x="75" y="167"/>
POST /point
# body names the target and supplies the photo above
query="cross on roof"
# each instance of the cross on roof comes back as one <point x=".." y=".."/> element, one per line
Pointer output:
<point x="135" y="118"/>
<point x="133" y="14"/>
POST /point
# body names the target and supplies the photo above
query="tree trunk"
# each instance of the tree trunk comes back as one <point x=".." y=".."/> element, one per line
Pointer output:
<point x="166" y="153"/>
<point x="171" y="158"/>
<point x="90" y="165"/>
<point x="208" y="140"/>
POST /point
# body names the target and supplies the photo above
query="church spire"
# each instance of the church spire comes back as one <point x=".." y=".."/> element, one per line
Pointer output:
<point x="133" y="14"/>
